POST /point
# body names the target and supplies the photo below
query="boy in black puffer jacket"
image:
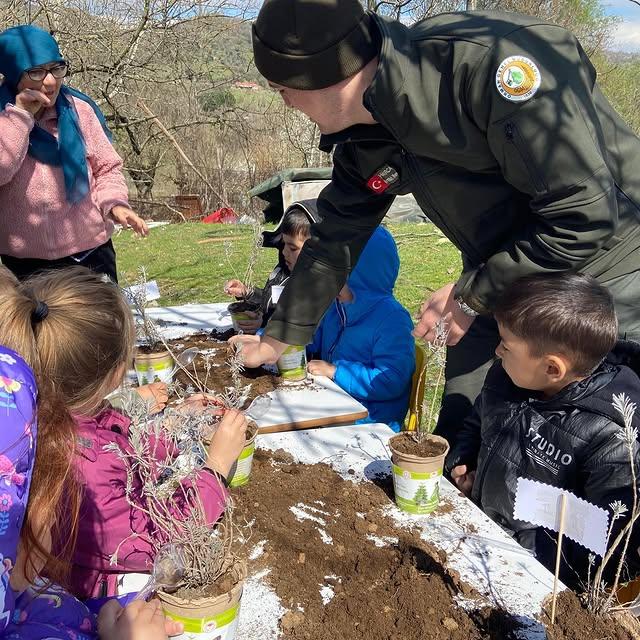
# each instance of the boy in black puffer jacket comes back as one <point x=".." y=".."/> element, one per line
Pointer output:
<point x="545" y="413"/>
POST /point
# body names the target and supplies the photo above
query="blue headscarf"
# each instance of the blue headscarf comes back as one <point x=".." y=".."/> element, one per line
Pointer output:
<point x="25" y="47"/>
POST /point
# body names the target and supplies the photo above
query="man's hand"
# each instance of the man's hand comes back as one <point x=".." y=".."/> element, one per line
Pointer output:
<point x="442" y="306"/>
<point x="322" y="368"/>
<point x="243" y="339"/>
<point x="155" y="395"/>
<point x="129" y="219"/>
<point x="463" y="479"/>
<point x="32" y="100"/>
<point x="139" y="620"/>
<point x="236" y="288"/>
<point x="256" y="353"/>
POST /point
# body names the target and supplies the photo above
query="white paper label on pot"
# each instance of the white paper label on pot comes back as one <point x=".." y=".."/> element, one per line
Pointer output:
<point x="416" y="492"/>
<point x="276" y="292"/>
<point x="293" y="363"/>
<point x="157" y="372"/>
<point x="219" y="627"/>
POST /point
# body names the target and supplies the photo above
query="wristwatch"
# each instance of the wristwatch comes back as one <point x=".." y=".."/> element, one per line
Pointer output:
<point x="465" y="308"/>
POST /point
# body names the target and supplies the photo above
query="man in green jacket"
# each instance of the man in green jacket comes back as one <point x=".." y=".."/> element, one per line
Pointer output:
<point x="495" y="123"/>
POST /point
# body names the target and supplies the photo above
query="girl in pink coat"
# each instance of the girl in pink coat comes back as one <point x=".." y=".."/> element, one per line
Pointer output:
<point x="84" y="335"/>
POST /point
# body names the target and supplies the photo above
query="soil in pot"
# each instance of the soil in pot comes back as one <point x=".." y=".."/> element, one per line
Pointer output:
<point x="242" y="311"/>
<point x="574" y="622"/>
<point x="428" y="448"/>
<point x="417" y="471"/>
<point x="211" y="612"/>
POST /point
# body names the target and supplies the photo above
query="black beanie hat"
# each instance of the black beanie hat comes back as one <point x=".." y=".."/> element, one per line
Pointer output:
<point x="312" y="44"/>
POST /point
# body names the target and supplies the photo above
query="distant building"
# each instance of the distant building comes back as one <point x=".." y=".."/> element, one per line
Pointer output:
<point x="249" y="86"/>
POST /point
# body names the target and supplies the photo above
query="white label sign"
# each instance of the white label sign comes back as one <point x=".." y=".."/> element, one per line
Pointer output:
<point x="276" y="292"/>
<point x="539" y="504"/>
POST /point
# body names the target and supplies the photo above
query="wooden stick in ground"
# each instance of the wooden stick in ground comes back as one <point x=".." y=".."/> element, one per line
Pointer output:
<point x="182" y="154"/>
<point x="563" y="506"/>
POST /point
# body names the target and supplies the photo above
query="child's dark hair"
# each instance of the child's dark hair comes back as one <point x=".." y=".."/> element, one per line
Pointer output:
<point x="296" y="223"/>
<point x="567" y="313"/>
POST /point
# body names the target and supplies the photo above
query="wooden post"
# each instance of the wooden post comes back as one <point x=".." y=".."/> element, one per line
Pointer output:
<point x="563" y="506"/>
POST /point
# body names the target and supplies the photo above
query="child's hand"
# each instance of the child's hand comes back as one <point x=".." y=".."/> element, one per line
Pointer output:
<point x="235" y="288"/>
<point x="137" y="621"/>
<point x="200" y="403"/>
<point x="228" y="442"/>
<point x="155" y="395"/>
<point x="463" y="479"/>
<point x="321" y="368"/>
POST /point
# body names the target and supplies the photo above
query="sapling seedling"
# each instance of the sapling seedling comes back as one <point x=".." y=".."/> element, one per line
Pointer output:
<point x="433" y="369"/>
<point x="146" y="329"/>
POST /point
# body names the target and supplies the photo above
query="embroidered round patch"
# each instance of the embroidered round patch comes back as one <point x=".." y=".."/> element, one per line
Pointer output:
<point x="518" y="78"/>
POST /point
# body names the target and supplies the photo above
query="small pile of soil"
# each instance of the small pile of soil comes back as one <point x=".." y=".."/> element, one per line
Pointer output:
<point x="326" y="539"/>
<point x="406" y="443"/>
<point x="214" y="355"/>
<point x="222" y="336"/>
<point x="574" y="622"/>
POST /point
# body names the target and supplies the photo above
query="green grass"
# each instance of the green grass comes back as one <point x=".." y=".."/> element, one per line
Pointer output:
<point x="188" y="271"/>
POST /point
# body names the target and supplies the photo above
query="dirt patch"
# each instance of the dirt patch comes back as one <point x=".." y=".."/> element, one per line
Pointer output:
<point x="405" y="443"/>
<point x="344" y="571"/>
<point x="574" y="622"/>
<point x="222" y="336"/>
<point x="338" y="564"/>
<point x="210" y="368"/>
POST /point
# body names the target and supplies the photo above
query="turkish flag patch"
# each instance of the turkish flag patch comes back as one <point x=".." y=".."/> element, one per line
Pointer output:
<point x="382" y="179"/>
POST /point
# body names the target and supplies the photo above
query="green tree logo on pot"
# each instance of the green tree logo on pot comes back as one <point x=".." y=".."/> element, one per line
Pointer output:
<point x="421" y="497"/>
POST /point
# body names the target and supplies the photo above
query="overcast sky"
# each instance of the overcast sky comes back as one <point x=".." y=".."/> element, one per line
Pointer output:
<point x="627" y="34"/>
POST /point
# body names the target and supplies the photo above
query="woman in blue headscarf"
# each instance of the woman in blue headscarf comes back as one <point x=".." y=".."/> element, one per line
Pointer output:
<point x="61" y="182"/>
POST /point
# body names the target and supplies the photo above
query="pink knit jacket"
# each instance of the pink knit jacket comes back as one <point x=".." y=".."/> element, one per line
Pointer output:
<point x="36" y="220"/>
<point x="107" y="521"/>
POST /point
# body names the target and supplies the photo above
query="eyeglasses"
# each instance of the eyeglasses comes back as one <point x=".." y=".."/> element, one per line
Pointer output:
<point x="38" y="74"/>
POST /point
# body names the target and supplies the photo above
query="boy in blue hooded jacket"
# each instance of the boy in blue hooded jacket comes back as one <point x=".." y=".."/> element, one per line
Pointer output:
<point x="364" y="342"/>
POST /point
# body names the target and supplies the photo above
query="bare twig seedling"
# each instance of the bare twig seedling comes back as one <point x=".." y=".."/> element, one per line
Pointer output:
<point x="254" y="253"/>
<point x="166" y="453"/>
<point x="147" y="330"/>
<point x="599" y="598"/>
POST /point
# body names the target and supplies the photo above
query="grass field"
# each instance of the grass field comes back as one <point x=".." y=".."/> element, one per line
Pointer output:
<point x="189" y="261"/>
